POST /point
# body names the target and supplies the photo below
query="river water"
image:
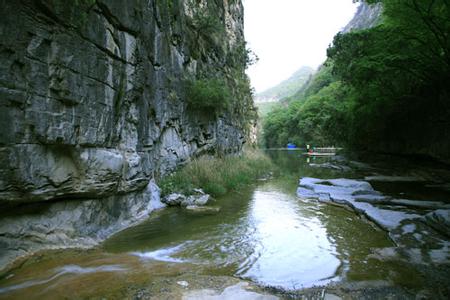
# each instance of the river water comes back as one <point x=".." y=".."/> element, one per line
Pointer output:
<point x="263" y="233"/>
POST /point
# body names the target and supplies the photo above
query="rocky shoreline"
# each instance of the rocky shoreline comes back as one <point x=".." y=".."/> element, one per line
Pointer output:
<point x="411" y="224"/>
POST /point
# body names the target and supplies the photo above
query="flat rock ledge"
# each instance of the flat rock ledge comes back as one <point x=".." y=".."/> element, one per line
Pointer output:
<point x="419" y="229"/>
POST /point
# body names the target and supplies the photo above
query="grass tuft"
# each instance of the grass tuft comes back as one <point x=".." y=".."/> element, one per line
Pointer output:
<point x="217" y="176"/>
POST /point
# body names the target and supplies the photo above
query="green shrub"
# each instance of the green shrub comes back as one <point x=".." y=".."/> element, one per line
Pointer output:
<point x="208" y="95"/>
<point x="217" y="176"/>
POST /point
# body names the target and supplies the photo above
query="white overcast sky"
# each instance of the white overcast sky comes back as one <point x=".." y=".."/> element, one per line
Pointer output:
<point x="288" y="34"/>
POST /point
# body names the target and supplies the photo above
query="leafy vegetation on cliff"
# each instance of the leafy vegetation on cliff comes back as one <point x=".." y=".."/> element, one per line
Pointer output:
<point x="208" y="95"/>
<point x="218" y="90"/>
<point x="384" y="88"/>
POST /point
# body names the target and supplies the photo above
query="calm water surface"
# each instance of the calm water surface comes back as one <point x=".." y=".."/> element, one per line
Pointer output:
<point x="263" y="233"/>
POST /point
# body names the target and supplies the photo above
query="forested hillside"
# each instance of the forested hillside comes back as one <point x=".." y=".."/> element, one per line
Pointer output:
<point x="385" y="88"/>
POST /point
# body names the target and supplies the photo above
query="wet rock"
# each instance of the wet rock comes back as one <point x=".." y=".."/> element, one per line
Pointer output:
<point x="203" y="209"/>
<point x="198" y="191"/>
<point x="419" y="204"/>
<point x="439" y="220"/>
<point x="343" y="191"/>
<point x="374" y="199"/>
<point x="183" y="283"/>
<point x="196" y="200"/>
<point x="415" y="241"/>
<point x="384" y="178"/>
<point x="174" y="199"/>
<point x="238" y="291"/>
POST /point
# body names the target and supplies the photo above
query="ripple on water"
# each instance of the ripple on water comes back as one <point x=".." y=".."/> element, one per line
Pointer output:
<point x="58" y="272"/>
<point x="294" y="248"/>
<point x="162" y="254"/>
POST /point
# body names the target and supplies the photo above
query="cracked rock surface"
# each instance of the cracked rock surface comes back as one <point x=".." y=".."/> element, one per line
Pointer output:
<point x="92" y="94"/>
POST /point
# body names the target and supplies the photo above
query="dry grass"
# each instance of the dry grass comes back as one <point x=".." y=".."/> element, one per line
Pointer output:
<point x="217" y="176"/>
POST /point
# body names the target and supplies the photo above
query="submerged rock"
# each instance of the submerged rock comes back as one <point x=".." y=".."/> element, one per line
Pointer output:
<point x="384" y="178"/>
<point x="238" y="291"/>
<point x="203" y="209"/>
<point x="331" y="166"/>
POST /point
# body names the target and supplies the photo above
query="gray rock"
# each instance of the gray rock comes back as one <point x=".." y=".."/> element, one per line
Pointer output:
<point x="174" y="199"/>
<point x="93" y="95"/>
<point x="343" y="191"/>
<point x="199" y="191"/>
<point x="402" y="218"/>
<point x="439" y="220"/>
<point x="196" y="200"/>
<point x="201" y="200"/>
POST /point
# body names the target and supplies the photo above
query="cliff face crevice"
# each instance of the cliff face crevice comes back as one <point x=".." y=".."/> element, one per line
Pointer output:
<point x="93" y="93"/>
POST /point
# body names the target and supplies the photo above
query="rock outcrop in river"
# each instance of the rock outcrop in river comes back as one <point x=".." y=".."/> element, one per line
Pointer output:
<point x="420" y="229"/>
<point x="94" y="101"/>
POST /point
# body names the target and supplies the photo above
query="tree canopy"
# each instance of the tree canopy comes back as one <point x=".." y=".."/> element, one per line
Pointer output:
<point x="387" y="86"/>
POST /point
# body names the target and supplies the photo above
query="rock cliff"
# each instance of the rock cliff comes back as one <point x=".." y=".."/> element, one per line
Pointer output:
<point x="93" y="98"/>
<point x="366" y="16"/>
<point x="93" y="92"/>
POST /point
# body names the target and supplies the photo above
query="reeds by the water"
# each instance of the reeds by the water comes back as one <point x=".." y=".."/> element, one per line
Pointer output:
<point x="218" y="175"/>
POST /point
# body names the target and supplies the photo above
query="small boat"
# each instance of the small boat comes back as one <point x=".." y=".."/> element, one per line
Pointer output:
<point x="328" y="151"/>
<point x="320" y="154"/>
<point x="291" y="146"/>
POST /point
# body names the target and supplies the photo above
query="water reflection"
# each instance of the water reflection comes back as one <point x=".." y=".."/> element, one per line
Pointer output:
<point x="293" y="249"/>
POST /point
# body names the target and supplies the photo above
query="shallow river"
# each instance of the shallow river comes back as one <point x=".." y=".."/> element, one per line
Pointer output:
<point x="264" y="234"/>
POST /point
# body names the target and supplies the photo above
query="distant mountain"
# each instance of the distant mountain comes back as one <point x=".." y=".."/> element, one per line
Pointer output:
<point x="286" y="88"/>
